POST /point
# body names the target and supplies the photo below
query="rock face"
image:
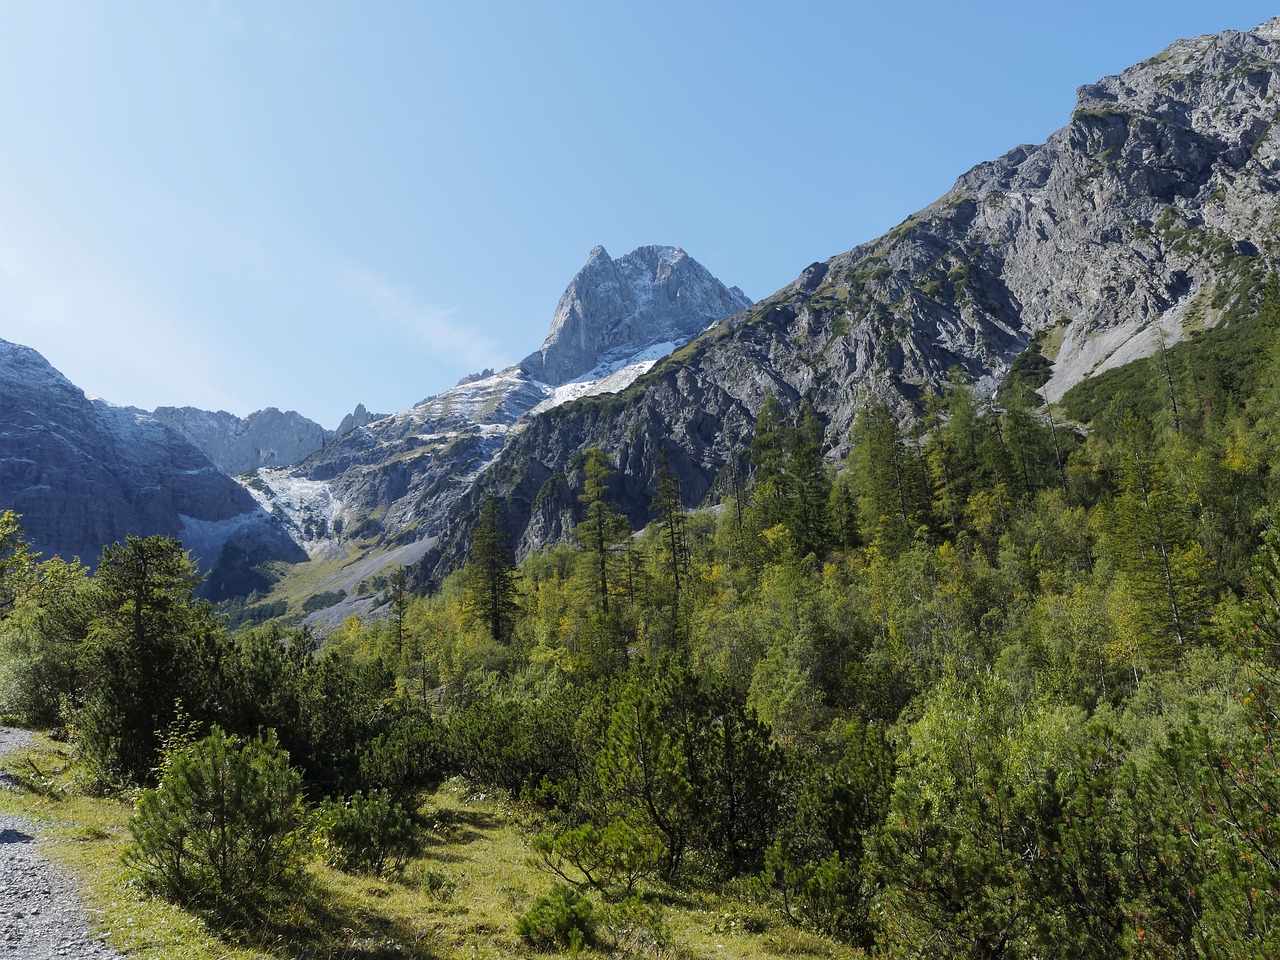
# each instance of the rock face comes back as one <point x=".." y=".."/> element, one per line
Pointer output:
<point x="266" y="438"/>
<point x="614" y="308"/>
<point x="394" y="480"/>
<point x="84" y="473"/>
<point x="1154" y="209"/>
<point x="357" y="418"/>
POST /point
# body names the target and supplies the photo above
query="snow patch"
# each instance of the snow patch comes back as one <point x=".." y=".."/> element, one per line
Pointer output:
<point x="608" y="377"/>
<point x="307" y="507"/>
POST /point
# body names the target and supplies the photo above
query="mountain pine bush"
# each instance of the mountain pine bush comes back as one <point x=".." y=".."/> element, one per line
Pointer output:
<point x="224" y="832"/>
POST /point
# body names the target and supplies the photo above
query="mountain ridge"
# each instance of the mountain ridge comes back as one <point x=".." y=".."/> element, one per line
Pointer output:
<point x="86" y="473"/>
<point x="1139" y="221"/>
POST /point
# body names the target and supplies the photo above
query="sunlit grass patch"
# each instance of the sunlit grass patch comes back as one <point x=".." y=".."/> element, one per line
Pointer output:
<point x="461" y="899"/>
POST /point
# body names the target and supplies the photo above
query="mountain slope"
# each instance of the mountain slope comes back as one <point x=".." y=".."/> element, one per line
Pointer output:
<point x="1144" y="218"/>
<point x="84" y="473"/>
<point x="387" y="487"/>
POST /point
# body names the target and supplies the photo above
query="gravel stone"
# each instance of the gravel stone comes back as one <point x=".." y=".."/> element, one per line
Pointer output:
<point x="41" y="917"/>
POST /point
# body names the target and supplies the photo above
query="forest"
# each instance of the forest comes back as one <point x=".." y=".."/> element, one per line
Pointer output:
<point x="1002" y="684"/>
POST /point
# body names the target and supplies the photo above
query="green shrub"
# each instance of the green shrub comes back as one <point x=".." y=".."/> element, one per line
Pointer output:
<point x="617" y="853"/>
<point x="561" y="919"/>
<point x="223" y="832"/>
<point x="637" y="928"/>
<point x="369" y="833"/>
<point x="440" y="885"/>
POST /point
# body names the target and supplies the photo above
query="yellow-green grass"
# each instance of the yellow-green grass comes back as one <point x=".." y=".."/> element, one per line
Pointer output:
<point x="461" y="899"/>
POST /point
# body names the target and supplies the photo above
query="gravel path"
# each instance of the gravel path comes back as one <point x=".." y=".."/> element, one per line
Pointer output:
<point x="40" y="916"/>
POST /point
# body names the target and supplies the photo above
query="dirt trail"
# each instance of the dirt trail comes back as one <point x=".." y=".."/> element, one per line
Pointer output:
<point x="41" y="918"/>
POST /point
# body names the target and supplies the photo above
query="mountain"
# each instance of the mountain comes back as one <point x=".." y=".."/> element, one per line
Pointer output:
<point x="383" y="490"/>
<point x="265" y="438"/>
<point x="84" y="473"/>
<point x="1150" y="215"/>
<point x="614" y="308"/>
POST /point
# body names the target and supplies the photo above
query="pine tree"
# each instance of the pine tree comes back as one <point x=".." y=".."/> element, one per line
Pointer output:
<point x="152" y="644"/>
<point x="490" y="576"/>
<point x="17" y="560"/>
<point x="890" y="478"/>
<point x="1165" y="571"/>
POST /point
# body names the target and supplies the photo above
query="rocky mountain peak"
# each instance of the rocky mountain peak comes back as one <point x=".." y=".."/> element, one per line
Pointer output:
<point x="360" y="417"/>
<point x="654" y="294"/>
<point x="265" y="438"/>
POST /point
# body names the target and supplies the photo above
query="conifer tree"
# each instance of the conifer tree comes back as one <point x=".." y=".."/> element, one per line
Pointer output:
<point x="768" y="457"/>
<point x="603" y="527"/>
<point x="17" y="560"/>
<point x="490" y="576"/>
<point x="810" y="486"/>
<point x="152" y="644"/>
<point x="890" y="478"/>
<point x="1166" y="573"/>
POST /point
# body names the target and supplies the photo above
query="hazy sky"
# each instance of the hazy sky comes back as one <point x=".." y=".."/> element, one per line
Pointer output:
<point x="308" y="205"/>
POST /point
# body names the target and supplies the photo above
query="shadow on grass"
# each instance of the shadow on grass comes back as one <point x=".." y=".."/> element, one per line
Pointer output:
<point x="448" y="828"/>
<point x="327" y="924"/>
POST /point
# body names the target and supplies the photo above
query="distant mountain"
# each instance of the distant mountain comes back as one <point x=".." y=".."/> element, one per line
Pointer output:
<point x="392" y="481"/>
<point x="84" y="473"/>
<point x="266" y="438"/>
<point x="613" y="309"/>
<point x="1153" y="212"/>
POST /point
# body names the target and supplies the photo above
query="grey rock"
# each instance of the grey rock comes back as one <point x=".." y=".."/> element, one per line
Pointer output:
<point x="651" y="295"/>
<point x="84" y="473"/>
<point x="357" y="418"/>
<point x="265" y="438"/>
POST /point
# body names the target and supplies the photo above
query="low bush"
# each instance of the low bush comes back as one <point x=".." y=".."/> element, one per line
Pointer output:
<point x="615" y="854"/>
<point x="368" y="833"/>
<point x="223" y="833"/>
<point x="561" y="919"/>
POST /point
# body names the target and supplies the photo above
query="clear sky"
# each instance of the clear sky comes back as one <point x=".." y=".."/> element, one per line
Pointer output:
<point x="309" y="204"/>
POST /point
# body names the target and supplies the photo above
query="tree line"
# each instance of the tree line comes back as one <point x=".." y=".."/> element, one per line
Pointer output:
<point x="996" y="686"/>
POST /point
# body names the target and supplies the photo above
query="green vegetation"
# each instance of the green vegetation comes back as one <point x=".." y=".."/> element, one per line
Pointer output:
<point x="1030" y="370"/>
<point x="560" y="919"/>
<point x="223" y="832"/>
<point x="1000" y="687"/>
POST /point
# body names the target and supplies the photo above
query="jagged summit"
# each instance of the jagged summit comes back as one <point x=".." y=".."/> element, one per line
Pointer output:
<point x="652" y="295"/>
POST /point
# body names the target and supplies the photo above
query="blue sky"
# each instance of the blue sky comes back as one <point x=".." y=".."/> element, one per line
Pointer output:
<point x="308" y="205"/>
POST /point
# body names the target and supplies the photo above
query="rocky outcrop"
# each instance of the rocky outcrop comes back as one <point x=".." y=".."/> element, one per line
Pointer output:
<point x="357" y="418"/>
<point x="84" y="473"/>
<point x="1151" y="212"/>
<point x="265" y="438"/>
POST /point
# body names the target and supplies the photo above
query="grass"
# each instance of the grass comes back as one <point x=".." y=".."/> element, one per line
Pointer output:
<point x="460" y="899"/>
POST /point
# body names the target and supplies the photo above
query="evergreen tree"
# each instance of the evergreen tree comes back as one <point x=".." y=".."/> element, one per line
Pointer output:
<point x="1165" y="573"/>
<point x="890" y="478"/>
<point x="810" y="485"/>
<point x="603" y="527"/>
<point x="490" y="576"/>
<point x="153" y="645"/>
<point x="17" y="561"/>
<point x="672" y="542"/>
<point x="768" y="458"/>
